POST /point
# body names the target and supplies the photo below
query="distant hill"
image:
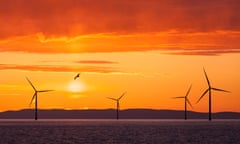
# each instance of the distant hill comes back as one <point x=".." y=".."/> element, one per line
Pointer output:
<point x="111" y="114"/>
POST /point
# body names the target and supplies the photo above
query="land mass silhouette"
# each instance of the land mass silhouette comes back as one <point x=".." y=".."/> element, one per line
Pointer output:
<point x="110" y="114"/>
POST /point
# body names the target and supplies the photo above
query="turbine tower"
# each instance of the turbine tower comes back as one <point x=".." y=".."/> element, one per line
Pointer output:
<point x="35" y="96"/>
<point x="117" y="101"/>
<point x="186" y="100"/>
<point x="209" y="90"/>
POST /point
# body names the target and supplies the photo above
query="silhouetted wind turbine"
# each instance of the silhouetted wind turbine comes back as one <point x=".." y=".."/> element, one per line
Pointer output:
<point x="77" y="76"/>
<point x="186" y="100"/>
<point x="35" y="97"/>
<point x="209" y="90"/>
<point x="117" y="100"/>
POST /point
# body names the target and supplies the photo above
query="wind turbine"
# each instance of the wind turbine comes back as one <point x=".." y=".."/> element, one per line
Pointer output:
<point x="117" y="100"/>
<point x="35" y="96"/>
<point x="209" y="90"/>
<point x="186" y="100"/>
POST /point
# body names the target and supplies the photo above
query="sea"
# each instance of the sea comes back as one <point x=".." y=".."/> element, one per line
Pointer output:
<point x="105" y="131"/>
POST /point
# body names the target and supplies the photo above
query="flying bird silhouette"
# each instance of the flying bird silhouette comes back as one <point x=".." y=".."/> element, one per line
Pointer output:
<point x="77" y="76"/>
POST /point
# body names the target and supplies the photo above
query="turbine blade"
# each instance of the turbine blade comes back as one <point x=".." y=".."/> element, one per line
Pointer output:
<point x="189" y="102"/>
<point x="217" y="89"/>
<point x="112" y="98"/>
<point x="179" y="97"/>
<point x="33" y="97"/>
<point x="206" y="77"/>
<point x="122" y="95"/>
<point x="31" y="84"/>
<point x="202" y="95"/>
<point x="45" y="90"/>
<point x="188" y="90"/>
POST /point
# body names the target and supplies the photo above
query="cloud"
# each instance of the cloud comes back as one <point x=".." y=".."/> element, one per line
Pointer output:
<point x="77" y="17"/>
<point x="203" y="52"/>
<point x="54" y="68"/>
<point x="95" y="62"/>
<point x="77" y="26"/>
<point x="168" y="40"/>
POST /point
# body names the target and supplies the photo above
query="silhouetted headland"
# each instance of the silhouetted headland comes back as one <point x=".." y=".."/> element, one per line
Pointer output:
<point x="110" y="114"/>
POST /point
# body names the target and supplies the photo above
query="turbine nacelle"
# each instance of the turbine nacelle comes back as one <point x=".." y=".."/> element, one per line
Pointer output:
<point x="209" y="88"/>
<point x="186" y="96"/>
<point x="34" y="97"/>
<point x="117" y="101"/>
<point x="35" y="91"/>
<point x="209" y="92"/>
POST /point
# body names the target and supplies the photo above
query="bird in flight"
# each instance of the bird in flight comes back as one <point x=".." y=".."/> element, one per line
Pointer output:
<point x="77" y="76"/>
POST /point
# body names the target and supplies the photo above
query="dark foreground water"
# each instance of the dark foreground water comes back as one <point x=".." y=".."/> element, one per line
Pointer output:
<point x="119" y="132"/>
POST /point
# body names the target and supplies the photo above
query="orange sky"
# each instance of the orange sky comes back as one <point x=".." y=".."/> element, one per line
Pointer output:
<point x="153" y="49"/>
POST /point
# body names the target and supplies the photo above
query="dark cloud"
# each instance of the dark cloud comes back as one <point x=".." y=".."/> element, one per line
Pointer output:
<point x="77" y="26"/>
<point x="76" y="17"/>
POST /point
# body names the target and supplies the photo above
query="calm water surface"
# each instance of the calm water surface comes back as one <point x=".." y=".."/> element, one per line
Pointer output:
<point x="119" y="132"/>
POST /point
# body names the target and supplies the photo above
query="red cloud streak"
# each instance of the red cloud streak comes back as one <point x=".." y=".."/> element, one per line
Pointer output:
<point x="76" y="17"/>
<point x="51" y="68"/>
<point x="76" y="26"/>
<point x="95" y="62"/>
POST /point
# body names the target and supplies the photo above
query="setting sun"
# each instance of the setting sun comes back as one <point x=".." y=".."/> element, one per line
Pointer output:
<point x="75" y="86"/>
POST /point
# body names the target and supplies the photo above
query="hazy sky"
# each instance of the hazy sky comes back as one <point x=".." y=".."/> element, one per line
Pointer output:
<point x="153" y="49"/>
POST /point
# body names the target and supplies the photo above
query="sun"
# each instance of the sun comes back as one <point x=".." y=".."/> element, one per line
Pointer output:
<point x="75" y="86"/>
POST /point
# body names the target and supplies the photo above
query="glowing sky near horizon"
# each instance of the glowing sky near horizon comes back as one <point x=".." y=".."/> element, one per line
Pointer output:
<point x="153" y="49"/>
